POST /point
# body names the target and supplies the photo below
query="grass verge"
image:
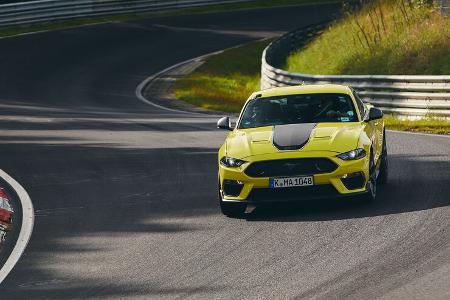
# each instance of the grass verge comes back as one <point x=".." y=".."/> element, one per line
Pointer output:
<point x="224" y="81"/>
<point x="20" y="29"/>
<point x="386" y="37"/>
<point x="427" y="125"/>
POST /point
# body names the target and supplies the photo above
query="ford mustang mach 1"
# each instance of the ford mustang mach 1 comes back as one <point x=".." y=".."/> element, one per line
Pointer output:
<point x="301" y="142"/>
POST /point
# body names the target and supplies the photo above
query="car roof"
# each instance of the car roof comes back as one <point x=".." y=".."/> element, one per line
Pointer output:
<point x="303" y="89"/>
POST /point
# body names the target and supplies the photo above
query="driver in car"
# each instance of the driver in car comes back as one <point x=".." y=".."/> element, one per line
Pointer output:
<point x="337" y="108"/>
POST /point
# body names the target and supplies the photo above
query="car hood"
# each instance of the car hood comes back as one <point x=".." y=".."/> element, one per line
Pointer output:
<point x="333" y="137"/>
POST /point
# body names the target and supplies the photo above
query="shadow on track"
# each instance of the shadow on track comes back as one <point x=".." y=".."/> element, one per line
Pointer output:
<point x="41" y="117"/>
<point x="99" y="179"/>
<point x="102" y="193"/>
<point x="127" y="193"/>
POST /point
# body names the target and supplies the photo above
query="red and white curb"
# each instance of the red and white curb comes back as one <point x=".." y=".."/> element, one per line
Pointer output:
<point x="26" y="228"/>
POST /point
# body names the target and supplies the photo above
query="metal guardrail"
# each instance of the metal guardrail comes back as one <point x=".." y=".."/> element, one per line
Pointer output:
<point x="401" y="94"/>
<point x="445" y="6"/>
<point x="50" y="10"/>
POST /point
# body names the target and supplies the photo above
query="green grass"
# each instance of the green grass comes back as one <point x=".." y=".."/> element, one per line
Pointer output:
<point x="224" y="81"/>
<point x="427" y="125"/>
<point x="388" y="37"/>
<point x="19" y="29"/>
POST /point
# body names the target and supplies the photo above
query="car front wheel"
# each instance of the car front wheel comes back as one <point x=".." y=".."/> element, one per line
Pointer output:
<point x="232" y="209"/>
<point x="384" y="166"/>
<point x="371" y="186"/>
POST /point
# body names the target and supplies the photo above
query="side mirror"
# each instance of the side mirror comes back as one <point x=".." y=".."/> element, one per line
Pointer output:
<point x="374" y="114"/>
<point x="224" y="123"/>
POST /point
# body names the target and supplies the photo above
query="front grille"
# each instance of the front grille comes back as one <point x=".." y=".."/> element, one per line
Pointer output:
<point x="290" y="167"/>
<point x="293" y="194"/>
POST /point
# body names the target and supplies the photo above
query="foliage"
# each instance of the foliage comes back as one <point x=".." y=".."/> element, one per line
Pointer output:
<point x="384" y="37"/>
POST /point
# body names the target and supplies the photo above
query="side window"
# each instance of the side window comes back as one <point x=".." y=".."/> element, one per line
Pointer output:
<point x="360" y="104"/>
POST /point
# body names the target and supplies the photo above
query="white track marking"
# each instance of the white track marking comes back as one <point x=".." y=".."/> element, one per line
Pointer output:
<point x="26" y="228"/>
<point x="140" y="88"/>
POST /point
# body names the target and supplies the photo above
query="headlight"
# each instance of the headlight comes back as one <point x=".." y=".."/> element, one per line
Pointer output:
<point x="231" y="162"/>
<point x="353" y="155"/>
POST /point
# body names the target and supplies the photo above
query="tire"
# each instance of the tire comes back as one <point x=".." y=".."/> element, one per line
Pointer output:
<point x="371" y="185"/>
<point x="230" y="209"/>
<point x="384" y="165"/>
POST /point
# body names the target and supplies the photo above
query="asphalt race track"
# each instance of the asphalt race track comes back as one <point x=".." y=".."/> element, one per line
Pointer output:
<point x="125" y="193"/>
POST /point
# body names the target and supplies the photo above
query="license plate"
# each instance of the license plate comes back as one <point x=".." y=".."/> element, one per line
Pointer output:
<point x="291" y="182"/>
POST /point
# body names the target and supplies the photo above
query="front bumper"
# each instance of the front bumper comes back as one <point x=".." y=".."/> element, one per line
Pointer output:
<point x="328" y="185"/>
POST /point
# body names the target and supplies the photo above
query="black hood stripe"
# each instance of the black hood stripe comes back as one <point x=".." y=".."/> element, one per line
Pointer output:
<point x="292" y="136"/>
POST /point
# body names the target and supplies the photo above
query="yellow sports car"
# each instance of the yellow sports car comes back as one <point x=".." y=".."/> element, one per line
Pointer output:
<point x="301" y="142"/>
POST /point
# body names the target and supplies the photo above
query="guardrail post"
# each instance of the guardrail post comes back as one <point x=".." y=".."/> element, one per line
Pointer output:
<point x="445" y="6"/>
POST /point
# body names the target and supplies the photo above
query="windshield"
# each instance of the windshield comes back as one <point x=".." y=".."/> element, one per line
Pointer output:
<point x="297" y="109"/>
